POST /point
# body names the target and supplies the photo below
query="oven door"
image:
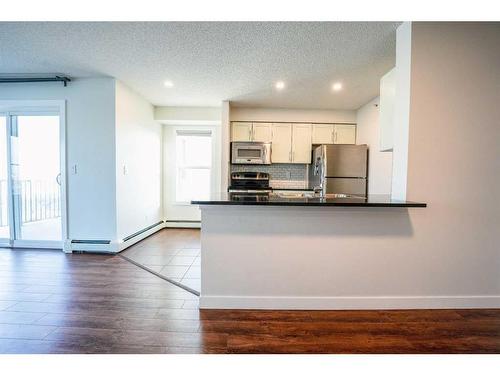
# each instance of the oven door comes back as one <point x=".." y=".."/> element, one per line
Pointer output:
<point x="256" y="196"/>
<point x="250" y="153"/>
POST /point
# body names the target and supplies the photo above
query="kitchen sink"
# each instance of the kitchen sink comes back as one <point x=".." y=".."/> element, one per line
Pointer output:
<point x="294" y="194"/>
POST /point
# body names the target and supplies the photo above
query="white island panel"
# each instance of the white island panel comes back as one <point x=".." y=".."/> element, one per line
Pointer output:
<point x="258" y="257"/>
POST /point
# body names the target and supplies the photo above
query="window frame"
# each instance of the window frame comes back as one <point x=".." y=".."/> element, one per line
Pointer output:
<point x="209" y="133"/>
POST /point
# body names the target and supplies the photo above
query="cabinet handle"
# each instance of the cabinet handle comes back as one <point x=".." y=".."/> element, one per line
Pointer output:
<point x="290" y="155"/>
<point x="335" y="138"/>
<point x="250" y="134"/>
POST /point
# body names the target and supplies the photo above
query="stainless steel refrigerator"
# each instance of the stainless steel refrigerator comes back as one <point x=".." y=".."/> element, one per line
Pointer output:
<point x="339" y="169"/>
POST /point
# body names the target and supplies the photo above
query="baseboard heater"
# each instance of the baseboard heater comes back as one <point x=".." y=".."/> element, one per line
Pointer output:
<point x="91" y="246"/>
<point x="142" y="231"/>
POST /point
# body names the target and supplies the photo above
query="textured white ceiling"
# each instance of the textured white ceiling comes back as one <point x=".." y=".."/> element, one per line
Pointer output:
<point x="213" y="61"/>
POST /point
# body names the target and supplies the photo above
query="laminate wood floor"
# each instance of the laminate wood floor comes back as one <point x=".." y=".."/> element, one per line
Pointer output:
<point x="51" y="302"/>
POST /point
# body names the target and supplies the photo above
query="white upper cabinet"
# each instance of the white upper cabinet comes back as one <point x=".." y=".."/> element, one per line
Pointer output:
<point x="386" y="116"/>
<point x="322" y="134"/>
<point x="301" y="143"/>
<point x="251" y="132"/>
<point x="262" y="132"/>
<point x="344" y="135"/>
<point x="281" y="148"/>
<point x="241" y="132"/>
<point x="292" y="143"/>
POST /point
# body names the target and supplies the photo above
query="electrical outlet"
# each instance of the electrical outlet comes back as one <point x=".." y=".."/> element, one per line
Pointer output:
<point x="288" y="175"/>
<point x="74" y="169"/>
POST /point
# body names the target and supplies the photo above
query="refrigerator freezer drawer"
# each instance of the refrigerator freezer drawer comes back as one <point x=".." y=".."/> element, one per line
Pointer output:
<point x="354" y="186"/>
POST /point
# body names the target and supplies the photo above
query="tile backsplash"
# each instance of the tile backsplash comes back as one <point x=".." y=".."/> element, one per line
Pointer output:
<point x="282" y="176"/>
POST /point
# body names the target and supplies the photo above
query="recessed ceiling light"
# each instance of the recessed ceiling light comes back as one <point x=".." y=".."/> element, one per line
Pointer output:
<point x="337" y="86"/>
<point x="168" y="84"/>
<point x="280" y="85"/>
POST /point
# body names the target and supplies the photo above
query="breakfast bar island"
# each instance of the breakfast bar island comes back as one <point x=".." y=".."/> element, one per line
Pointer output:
<point x="307" y="253"/>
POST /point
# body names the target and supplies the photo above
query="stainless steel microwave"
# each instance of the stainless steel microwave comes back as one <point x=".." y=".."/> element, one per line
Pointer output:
<point x="250" y="153"/>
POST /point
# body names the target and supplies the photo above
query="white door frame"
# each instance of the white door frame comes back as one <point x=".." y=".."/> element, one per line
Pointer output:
<point x="9" y="107"/>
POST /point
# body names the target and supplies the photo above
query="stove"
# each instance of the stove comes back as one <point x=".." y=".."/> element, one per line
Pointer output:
<point x="252" y="183"/>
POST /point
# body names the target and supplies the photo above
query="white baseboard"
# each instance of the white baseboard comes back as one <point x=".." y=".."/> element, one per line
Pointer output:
<point x="183" y="224"/>
<point x="349" y="303"/>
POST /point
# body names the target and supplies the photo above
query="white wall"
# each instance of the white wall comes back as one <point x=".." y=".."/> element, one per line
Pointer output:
<point x="138" y="163"/>
<point x="90" y="123"/>
<point x="292" y="115"/>
<point x="225" y="137"/>
<point x="454" y="151"/>
<point x="379" y="163"/>
<point x="187" y="115"/>
<point x="401" y="110"/>
<point x="445" y="255"/>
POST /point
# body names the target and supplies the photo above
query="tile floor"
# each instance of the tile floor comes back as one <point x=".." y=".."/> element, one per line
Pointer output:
<point x="174" y="253"/>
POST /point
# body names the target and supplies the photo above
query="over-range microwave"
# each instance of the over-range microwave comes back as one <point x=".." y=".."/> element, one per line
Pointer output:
<point x="250" y="153"/>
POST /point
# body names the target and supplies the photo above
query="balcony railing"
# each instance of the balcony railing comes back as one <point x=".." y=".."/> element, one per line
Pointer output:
<point x="39" y="200"/>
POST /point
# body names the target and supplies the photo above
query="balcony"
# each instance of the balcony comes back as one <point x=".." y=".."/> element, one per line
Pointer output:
<point x="38" y="207"/>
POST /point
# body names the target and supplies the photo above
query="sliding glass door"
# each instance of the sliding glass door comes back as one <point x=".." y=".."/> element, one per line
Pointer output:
<point x="5" y="234"/>
<point x="31" y="172"/>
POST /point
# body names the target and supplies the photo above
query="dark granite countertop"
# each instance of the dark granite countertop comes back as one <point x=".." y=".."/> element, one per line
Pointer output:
<point x="273" y="200"/>
<point x="290" y="189"/>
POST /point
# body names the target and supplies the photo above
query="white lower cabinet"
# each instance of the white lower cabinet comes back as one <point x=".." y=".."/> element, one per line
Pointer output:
<point x="281" y="147"/>
<point x="301" y="143"/>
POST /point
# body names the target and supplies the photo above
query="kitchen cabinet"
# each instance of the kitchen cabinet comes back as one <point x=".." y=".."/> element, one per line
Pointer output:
<point x="386" y="114"/>
<point x="327" y="134"/>
<point x="250" y="132"/>
<point x="345" y="135"/>
<point x="261" y="132"/>
<point x="281" y="147"/>
<point x="322" y="134"/>
<point x="291" y="143"/>
<point x="301" y="143"/>
<point x="241" y="132"/>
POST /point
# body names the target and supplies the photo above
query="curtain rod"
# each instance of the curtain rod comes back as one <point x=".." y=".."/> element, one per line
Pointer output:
<point x="62" y="79"/>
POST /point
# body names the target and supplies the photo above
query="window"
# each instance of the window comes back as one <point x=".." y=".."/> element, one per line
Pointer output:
<point x="193" y="165"/>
